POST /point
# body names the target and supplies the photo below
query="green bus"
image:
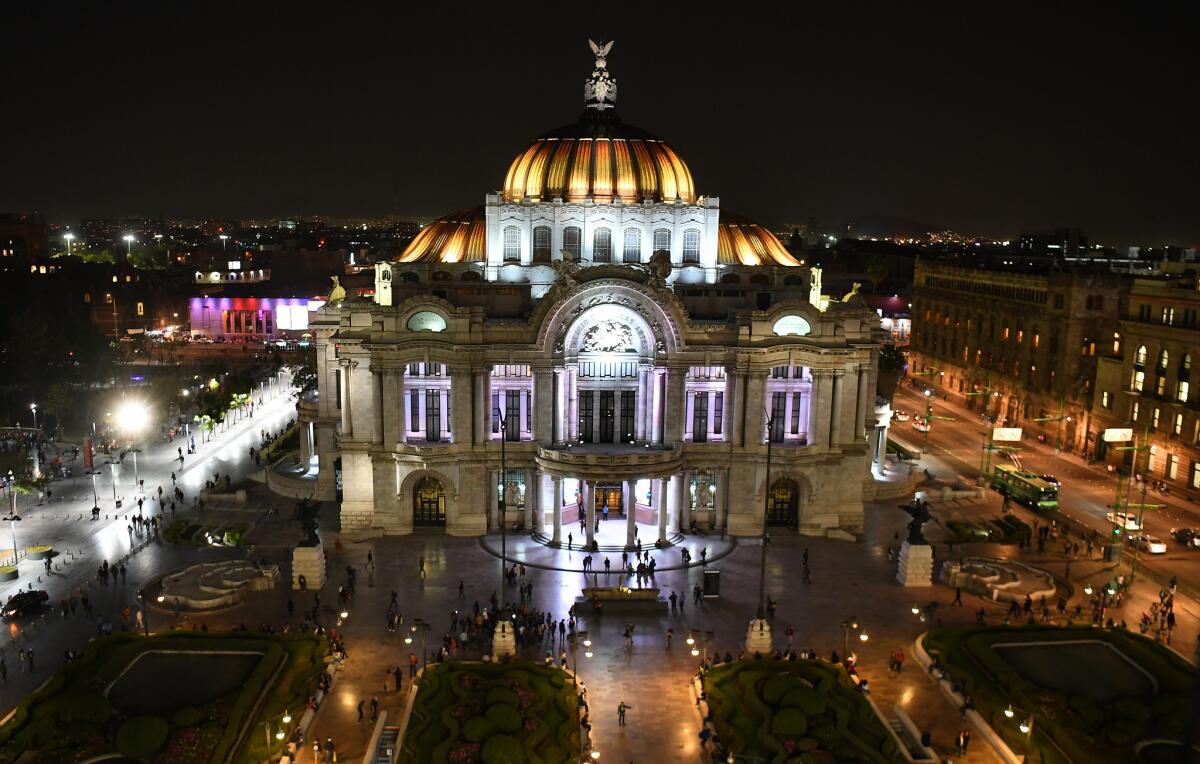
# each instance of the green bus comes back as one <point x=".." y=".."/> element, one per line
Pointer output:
<point x="1026" y="487"/>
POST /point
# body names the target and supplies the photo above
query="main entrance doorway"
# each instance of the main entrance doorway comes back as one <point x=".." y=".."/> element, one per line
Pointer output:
<point x="429" y="504"/>
<point x="783" y="505"/>
<point x="608" y="495"/>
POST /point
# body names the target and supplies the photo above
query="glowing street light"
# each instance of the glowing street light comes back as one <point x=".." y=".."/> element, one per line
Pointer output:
<point x="129" y="240"/>
<point x="68" y="237"/>
<point x="224" y="238"/>
<point x="33" y="408"/>
<point x="132" y="418"/>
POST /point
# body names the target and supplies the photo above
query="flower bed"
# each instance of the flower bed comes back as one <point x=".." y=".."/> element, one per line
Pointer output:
<point x="795" y="711"/>
<point x="70" y="719"/>
<point x="487" y="713"/>
<point x="1067" y="727"/>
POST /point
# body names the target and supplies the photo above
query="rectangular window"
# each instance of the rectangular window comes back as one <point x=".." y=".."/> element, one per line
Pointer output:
<point x="1134" y="409"/>
<point x="414" y="369"/>
<point x="1168" y="316"/>
<point x="1160" y="386"/>
<point x="541" y="244"/>
<point x="414" y="410"/>
<point x="572" y="239"/>
<point x="602" y="246"/>
<point x="512" y="415"/>
<point x="1195" y="481"/>
<point x="718" y="412"/>
<point x="628" y="410"/>
<point x="495" y="413"/>
<point x="795" y="413"/>
<point x="1152" y="459"/>
<point x="691" y="246"/>
<point x="1172" y="467"/>
<point x="778" y="411"/>
<point x="607" y="415"/>
<point x="1106" y="399"/>
<point x="1177" y="428"/>
<point x="1181" y="391"/>
<point x="433" y="415"/>
<point x="141" y="309"/>
<point x="512" y="244"/>
<point x="527" y="422"/>
<point x="586" y="399"/>
<point x="700" y="418"/>
<point x="1154" y="418"/>
<point x="1138" y="381"/>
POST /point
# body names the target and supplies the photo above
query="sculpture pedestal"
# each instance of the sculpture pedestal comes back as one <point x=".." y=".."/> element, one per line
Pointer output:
<point x="308" y="561"/>
<point x="504" y="641"/>
<point x="916" y="565"/>
<point x="758" y="638"/>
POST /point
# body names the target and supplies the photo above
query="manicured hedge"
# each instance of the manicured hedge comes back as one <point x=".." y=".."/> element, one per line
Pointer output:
<point x="508" y="713"/>
<point x="785" y="711"/>
<point x="1066" y="727"/>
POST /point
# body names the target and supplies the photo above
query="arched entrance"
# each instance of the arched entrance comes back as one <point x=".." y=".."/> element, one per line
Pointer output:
<point x="429" y="503"/>
<point x="783" y="504"/>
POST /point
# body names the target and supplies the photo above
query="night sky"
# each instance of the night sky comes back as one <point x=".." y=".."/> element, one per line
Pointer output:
<point x="989" y="124"/>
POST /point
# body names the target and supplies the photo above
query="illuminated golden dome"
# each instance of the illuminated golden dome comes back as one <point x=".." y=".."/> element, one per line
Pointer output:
<point x="460" y="237"/>
<point x="602" y="158"/>
<point x="741" y="241"/>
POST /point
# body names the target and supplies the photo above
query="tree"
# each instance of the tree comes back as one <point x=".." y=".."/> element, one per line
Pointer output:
<point x="304" y="373"/>
<point x="877" y="272"/>
<point x="57" y="401"/>
<point x="891" y="366"/>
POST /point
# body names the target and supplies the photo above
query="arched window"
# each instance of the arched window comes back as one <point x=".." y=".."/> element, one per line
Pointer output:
<point x="632" y="251"/>
<point x="512" y="244"/>
<point x="760" y="279"/>
<point x="793" y="281"/>
<point x="662" y="239"/>
<point x="731" y="278"/>
<point x="441" y="276"/>
<point x="1163" y="358"/>
<point x="541" y="244"/>
<point x="472" y="276"/>
<point x="1140" y="357"/>
<point x="572" y="237"/>
<point x="602" y="246"/>
<point x="691" y="246"/>
<point x="409" y="277"/>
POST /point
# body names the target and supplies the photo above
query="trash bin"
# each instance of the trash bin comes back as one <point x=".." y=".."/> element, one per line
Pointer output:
<point x="712" y="583"/>
<point x="1112" y="553"/>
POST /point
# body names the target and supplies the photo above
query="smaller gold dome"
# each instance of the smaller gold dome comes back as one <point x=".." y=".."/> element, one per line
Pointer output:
<point x="460" y="237"/>
<point x="741" y="241"/>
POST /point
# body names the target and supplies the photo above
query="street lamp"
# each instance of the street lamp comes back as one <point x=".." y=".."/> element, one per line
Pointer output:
<point x="224" y="238"/>
<point x="33" y="408"/>
<point x="141" y="595"/>
<point x="67" y="237"/>
<point x="129" y="239"/>
<point x="132" y="417"/>
<point x="12" y="519"/>
<point x="758" y="636"/>
<point x="849" y="625"/>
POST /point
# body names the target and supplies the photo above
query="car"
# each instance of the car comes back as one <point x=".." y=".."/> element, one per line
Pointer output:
<point x="1051" y="480"/>
<point x="1125" y="521"/>
<point x="901" y="416"/>
<point x="1151" y="544"/>
<point x="920" y="425"/>
<point x="24" y="603"/>
<point x="1189" y="537"/>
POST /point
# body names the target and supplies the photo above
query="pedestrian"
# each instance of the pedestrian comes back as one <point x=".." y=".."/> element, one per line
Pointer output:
<point x="398" y="675"/>
<point x="330" y="751"/>
<point x="412" y="665"/>
<point x="374" y="709"/>
<point x="807" y="574"/>
<point x="963" y="742"/>
<point x="672" y="599"/>
<point x="957" y="596"/>
<point x="621" y="709"/>
<point x="360" y="711"/>
<point x="421" y="566"/>
<point x="461" y="594"/>
<point x="316" y="751"/>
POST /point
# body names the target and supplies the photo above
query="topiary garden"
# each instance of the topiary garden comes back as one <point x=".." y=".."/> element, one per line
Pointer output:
<point x="485" y="713"/>
<point x="795" y="712"/>
<point x="1081" y="711"/>
<point x="83" y="711"/>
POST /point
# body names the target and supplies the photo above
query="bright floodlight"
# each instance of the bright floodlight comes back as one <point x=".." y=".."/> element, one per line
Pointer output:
<point x="595" y="755"/>
<point x="864" y="637"/>
<point x="132" y="416"/>
<point x="33" y="407"/>
<point x="129" y="237"/>
<point x="1009" y="711"/>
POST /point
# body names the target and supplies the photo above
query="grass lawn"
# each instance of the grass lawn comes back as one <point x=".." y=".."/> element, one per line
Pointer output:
<point x="509" y="713"/>
<point x="71" y="718"/>
<point x="1068" y="726"/>
<point x="795" y="711"/>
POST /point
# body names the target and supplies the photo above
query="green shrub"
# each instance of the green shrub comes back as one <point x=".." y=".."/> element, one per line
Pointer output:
<point x="188" y="717"/>
<point x="85" y="708"/>
<point x="501" y="695"/>
<point x="789" y="723"/>
<point x="777" y="686"/>
<point x="808" y="700"/>
<point x="478" y="729"/>
<point x="506" y="718"/>
<point x="503" y="749"/>
<point x="142" y="736"/>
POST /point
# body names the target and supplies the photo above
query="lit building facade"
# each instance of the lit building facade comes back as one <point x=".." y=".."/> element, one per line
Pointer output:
<point x="597" y="335"/>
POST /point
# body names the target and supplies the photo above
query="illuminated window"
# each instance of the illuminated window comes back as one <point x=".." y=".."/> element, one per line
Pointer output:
<point x="128" y="279"/>
<point x="1138" y="381"/>
<point x="1181" y="390"/>
<point x="1172" y="467"/>
<point x="1020" y="335"/>
<point x="541" y="244"/>
<point x="1186" y="363"/>
<point x="572" y="238"/>
<point x="141" y="309"/>
<point x="1116" y="342"/>
<point x="107" y="297"/>
<point x="1135" y="408"/>
<point x="632" y="251"/>
<point x="114" y="279"/>
<point x="1037" y="339"/>
<point x="662" y="240"/>
<point x="1163" y="359"/>
<point x="1195" y="482"/>
<point x="87" y="297"/>
<point x="602" y="246"/>
<point x="1106" y="399"/>
<point x="1177" y="428"/>
<point x="1140" y="357"/>
<point x="1168" y="316"/>
<point x="1160" y="386"/>
<point x="691" y="246"/>
<point x="512" y="244"/>
<point x="1154" y="417"/>
<point x="1004" y="334"/>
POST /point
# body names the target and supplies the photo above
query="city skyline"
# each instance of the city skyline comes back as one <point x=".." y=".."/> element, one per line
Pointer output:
<point x="1037" y="124"/>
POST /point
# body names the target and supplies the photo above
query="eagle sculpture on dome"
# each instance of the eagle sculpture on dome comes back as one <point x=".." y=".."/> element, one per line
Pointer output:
<point x="600" y="90"/>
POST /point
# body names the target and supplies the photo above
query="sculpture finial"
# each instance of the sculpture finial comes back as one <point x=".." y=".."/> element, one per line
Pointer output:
<point x="600" y="90"/>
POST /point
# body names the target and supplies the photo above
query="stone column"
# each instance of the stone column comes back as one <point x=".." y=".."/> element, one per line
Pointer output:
<point x="642" y="389"/>
<point x="756" y="408"/>
<point x="732" y="424"/>
<point x="461" y="410"/>
<point x="661" y="507"/>
<point x="560" y="406"/>
<point x="493" y="498"/>
<point x="391" y="411"/>
<point x="837" y="420"/>
<point x="589" y="512"/>
<point x="401" y="407"/>
<point x="681" y="513"/>
<point x="347" y="426"/>
<point x="556" y="509"/>
<point x="864" y="404"/>
<point x="674" y="419"/>
<point x="531" y="492"/>
<point x="656" y="418"/>
<point x="719" y="508"/>
<point x="543" y="405"/>
<point x="630" y="501"/>
<point x="306" y="448"/>
<point x="572" y="405"/>
<point x="377" y="397"/>
<point x="820" y="408"/>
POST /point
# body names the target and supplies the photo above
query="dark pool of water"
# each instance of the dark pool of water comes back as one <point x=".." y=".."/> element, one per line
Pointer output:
<point x="1091" y="669"/>
<point x="160" y="683"/>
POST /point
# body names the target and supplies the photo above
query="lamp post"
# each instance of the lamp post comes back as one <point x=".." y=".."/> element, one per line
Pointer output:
<point x="141" y="595"/>
<point x="848" y="625"/>
<point x="758" y="636"/>
<point x="33" y="408"/>
<point x="67" y="237"/>
<point x="224" y="238"/>
<point x="1060" y="419"/>
<point x="12" y="519"/>
<point x="132" y="418"/>
<point x="501" y="508"/>
<point x="1025" y="725"/>
<point x="129" y="239"/>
